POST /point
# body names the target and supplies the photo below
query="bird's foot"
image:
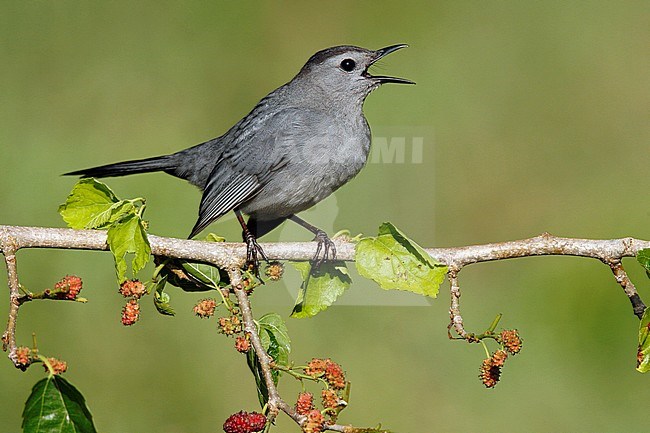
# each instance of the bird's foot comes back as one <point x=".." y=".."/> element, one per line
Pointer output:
<point x="253" y="249"/>
<point x="325" y="251"/>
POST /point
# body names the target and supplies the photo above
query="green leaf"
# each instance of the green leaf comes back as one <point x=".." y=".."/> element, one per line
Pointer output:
<point x="643" y="352"/>
<point x="116" y="212"/>
<point x="211" y="237"/>
<point x="204" y="274"/>
<point x="389" y="229"/>
<point x="643" y="257"/>
<point x="90" y="201"/>
<point x="161" y="299"/>
<point x="55" y="406"/>
<point x="275" y="337"/>
<point x="275" y="340"/>
<point x="194" y="276"/>
<point x="254" y="364"/>
<point x="319" y="289"/>
<point x="395" y="262"/>
<point x="129" y="236"/>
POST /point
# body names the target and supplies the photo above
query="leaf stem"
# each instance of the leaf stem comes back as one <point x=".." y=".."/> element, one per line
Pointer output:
<point x="141" y="210"/>
<point x="44" y="360"/>
<point x="487" y="352"/>
<point x="297" y="375"/>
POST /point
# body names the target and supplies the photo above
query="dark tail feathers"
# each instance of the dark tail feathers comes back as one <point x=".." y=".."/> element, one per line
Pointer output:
<point x="158" y="163"/>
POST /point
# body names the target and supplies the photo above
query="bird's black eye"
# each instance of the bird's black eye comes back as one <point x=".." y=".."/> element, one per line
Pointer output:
<point x="348" y="65"/>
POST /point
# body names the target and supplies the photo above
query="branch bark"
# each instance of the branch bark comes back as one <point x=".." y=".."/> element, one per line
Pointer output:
<point x="224" y="253"/>
<point x="9" y="336"/>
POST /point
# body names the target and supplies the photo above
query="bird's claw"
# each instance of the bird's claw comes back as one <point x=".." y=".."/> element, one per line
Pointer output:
<point x="325" y="251"/>
<point x="252" y="251"/>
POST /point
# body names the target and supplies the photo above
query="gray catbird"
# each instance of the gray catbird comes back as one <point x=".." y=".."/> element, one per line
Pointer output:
<point x="299" y="144"/>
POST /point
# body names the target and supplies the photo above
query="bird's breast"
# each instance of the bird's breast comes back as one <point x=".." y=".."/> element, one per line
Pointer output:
<point x="317" y="163"/>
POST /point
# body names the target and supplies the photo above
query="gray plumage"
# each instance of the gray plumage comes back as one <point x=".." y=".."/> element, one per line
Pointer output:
<point x="298" y="145"/>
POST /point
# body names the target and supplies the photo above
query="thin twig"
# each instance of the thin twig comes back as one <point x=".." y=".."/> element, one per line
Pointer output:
<point x="456" y="320"/>
<point x="275" y="402"/>
<point x="9" y="336"/>
<point x="628" y="287"/>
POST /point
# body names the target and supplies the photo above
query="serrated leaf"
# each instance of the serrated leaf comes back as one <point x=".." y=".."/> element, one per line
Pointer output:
<point x="55" y="406"/>
<point x="319" y="289"/>
<point x="114" y="213"/>
<point x="643" y="351"/>
<point x="205" y="274"/>
<point x="275" y="337"/>
<point x="161" y="299"/>
<point x="395" y="262"/>
<point x="389" y="229"/>
<point x="128" y="236"/>
<point x="275" y="340"/>
<point x="88" y="199"/>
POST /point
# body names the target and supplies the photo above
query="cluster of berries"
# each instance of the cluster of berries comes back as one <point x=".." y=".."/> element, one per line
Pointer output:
<point x="250" y="280"/>
<point x="332" y="402"/>
<point x="314" y="419"/>
<point x="245" y="422"/>
<point x="57" y="365"/>
<point x="24" y="358"/>
<point x="68" y="288"/>
<point x="329" y="370"/>
<point x="274" y="271"/>
<point x="230" y="326"/>
<point x="490" y="371"/>
<point x="134" y="290"/>
<point x="205" y="308"/>
<point x="511" y="340"/>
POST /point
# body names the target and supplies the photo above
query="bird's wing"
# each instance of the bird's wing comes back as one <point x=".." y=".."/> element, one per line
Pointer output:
<point x="266" y="142"/>
<point x="225" y="190"/>
<point x="258" y="148"/>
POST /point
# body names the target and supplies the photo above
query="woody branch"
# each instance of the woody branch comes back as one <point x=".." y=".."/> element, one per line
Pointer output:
<point x="231" y="256"/>
<point x="608" y="251"/>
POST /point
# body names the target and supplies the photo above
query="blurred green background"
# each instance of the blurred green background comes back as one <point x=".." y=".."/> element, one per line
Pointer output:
<point x="534" y="117"/>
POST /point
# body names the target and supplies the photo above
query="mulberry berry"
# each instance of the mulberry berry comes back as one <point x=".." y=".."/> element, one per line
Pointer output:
<point x="511" y="340"/>
<point x="205" y="308"/>
<point x="245" y="422"/>
<point x="305" y="403"/>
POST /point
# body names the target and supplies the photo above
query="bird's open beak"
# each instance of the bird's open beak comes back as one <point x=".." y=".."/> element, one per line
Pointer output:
<point x="382" y="53"/>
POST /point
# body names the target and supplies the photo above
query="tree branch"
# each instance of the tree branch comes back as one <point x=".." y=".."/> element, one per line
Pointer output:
<point x="223" y="253"/>
<point x="231" y="256"/>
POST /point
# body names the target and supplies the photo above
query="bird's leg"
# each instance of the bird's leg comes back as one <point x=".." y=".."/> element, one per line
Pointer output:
<point x="326" y="250"/>
<point x="252" y="247"/>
